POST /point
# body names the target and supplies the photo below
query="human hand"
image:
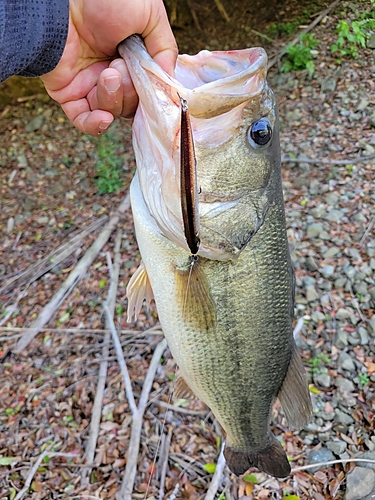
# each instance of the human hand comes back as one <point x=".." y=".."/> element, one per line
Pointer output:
<point x="92" y="87"/>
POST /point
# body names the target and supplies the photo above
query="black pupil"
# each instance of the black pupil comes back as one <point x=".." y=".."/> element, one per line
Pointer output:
<point x="261" y="132"/>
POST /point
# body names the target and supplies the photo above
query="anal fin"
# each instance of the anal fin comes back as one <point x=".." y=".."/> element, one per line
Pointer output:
<point x="138" y="290"/>
<point x="182" y="389"/>
<point x="294" y="394"/>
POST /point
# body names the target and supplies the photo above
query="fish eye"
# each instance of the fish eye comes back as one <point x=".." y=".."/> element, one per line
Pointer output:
<point x="259" y="133"/>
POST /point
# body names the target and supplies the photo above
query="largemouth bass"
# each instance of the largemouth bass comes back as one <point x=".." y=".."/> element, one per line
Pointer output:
<point x="227" y="310"/>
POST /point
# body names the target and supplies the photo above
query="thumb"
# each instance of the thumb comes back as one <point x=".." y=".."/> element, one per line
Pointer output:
<point x="159" y="39"/>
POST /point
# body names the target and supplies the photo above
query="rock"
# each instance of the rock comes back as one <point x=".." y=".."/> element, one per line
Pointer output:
<point x="331" y="252"/>
<point x="368" y="455"/>
<point x="313" y="230"/>
<point x="343" y="314"/>
<point x="323" y="380"/>
<point x="10" y="224"/>
<point x="35" y="124"/>
<point x="363" y="103"/>
<point x="311" y="294"/>
<point x="371" y="42"/>
<point x="362" y="332"/>
<point x="317" y="456"/>
<point x="311" y="264"/>
<point x="334" y="215"/>
<point x="342" y="417"/>
<point x="345" y="385"/>
<point x="340" y="282"/>
<point x="337" y="447"/>
<point x="324" y="236"/>
<point x="331" y="199"/>
<point x="329" y="84"/>
<point x="346" y="362"/>
<point x="327" y="271"/>
<point x="318" y="212"/>
<point x="22" y="161"/>
<point x="359" y="483"/>
<point x="341" y="338"/>
<point x="359" y="217"/>
<point x="317" y="316"/>
<point x="42" y="220"/>
<point x="96" y="208"/>
<point x="371" y="325"/>
<point x="372" y="263"/>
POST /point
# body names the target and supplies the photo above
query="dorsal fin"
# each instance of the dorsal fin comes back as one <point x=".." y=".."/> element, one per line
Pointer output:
<point x="138" y="290"/>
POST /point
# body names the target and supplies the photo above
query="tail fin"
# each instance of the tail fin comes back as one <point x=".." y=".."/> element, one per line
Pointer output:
<point x="272" y="460"/>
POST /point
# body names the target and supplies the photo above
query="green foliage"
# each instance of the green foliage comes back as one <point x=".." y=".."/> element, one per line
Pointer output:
<point x="351" y="35"/>
<point x="210" y="468"/>
<point x="282" y="29"/>
<point x="299" y="56"/>
<point x="363" y="378"/>
<point x="318" y="362"/>
<point x="250" y="478"/>
<point x="108" y="165"/>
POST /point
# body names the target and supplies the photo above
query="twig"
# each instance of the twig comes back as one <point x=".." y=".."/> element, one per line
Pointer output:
<point x="121" y="360"/>
<point x="137" y="420"/>
<point x="360" y="159"/>
<point x="98" y="401"/>
<point x="310" y="27"/>
<point x="180" y="409"/>
<point x="332" y="462"/>
<point x="298" y="327"/>
<point x="154" y="330"/>
<point x="217" y="477"/>
<point x="367" y="232"/>
<point x="194" y="16"/>
<point x="51" y="260"/>
<point x="174" y="492"/>
<point x="164" y="467"/>
<point x="36" y="466"/>
<point x="74" y="277"/>
<point x="262" y="35"/>
<point x="223" y="12"/>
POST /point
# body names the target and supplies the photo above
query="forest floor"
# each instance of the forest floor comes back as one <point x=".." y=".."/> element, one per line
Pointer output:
<point x="51" y="179"/>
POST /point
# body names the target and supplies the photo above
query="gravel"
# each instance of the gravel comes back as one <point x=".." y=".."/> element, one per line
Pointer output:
<point x="359" y="483"/>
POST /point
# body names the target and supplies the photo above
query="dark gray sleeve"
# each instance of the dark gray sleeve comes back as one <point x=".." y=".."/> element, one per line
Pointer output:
<point x="32" y="36"/>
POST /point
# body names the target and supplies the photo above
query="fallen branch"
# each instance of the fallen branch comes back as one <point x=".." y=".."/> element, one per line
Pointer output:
<point x="180" y="409"/>
<point x="194" y="16"/>
<point x="310" y="27"/>
<point x="74" y="277"/>
<point x="324" y="161"/>
<point x="332" y="462"/>
<point x="98" y="401"/>
<point x="367" y="232"/>
<point x="36" y="466"/>
<point x="217" y="477"/>
<point x="154" y="330"/>
<point x="137" y="412"/>
<point x="174" y="492"/>
<point x="222" y="11"/>
<point x="164" y="467"/>
<point x="51" y="260"/>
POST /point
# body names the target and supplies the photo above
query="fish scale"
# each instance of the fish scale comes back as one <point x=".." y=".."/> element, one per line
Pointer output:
<point x="227" y="314"/>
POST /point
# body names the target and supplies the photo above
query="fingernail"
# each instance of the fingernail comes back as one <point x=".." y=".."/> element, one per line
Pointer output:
<point x="112" y="83"/>
<point x="103" y="126"/>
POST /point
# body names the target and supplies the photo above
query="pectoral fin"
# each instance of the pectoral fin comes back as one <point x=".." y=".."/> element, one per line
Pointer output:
<point x="294" y="394"/>
<point x="138" y="290"/>
<point x="182" y="389"/>
<point x="194" y="298"/>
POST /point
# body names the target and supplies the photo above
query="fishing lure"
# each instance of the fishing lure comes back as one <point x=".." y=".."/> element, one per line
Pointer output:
<point x="188" y="182"/>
